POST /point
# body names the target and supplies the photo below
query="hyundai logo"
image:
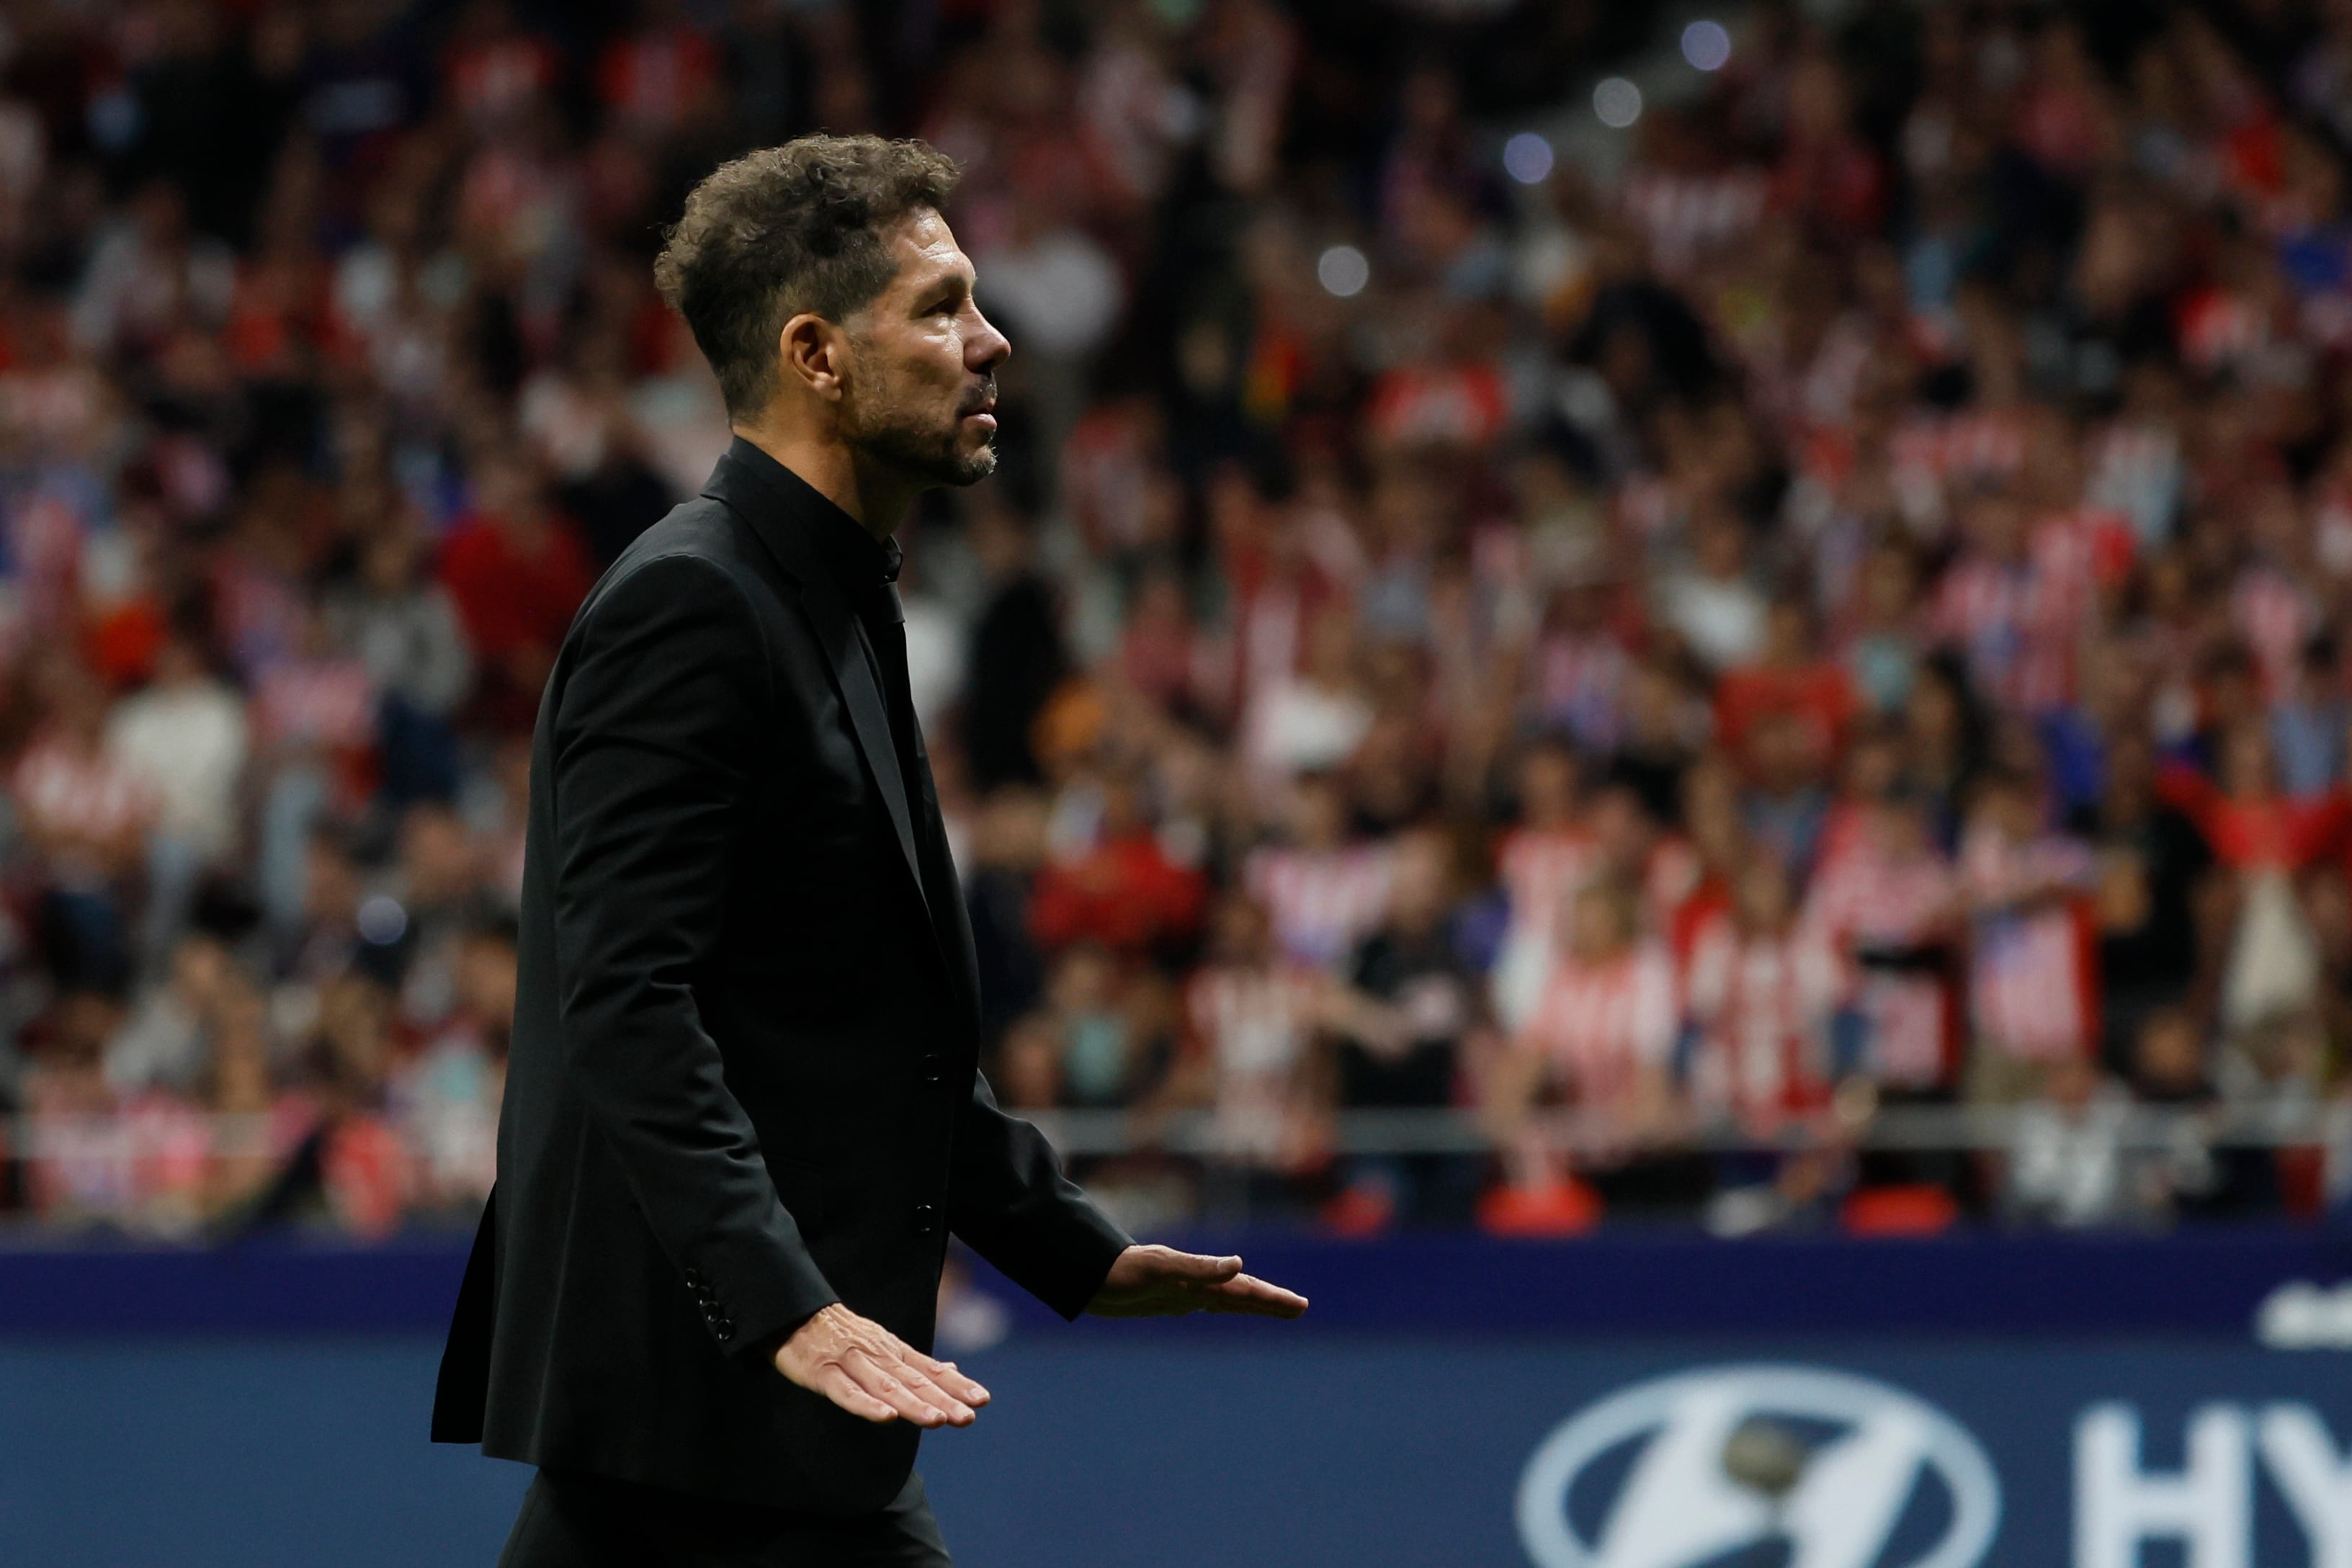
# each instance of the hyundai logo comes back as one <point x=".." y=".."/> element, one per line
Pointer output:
<point x="1682" y="1470"/>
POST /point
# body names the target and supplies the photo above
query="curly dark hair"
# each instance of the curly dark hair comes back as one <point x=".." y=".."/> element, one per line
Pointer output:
<point x="787" y="229"/>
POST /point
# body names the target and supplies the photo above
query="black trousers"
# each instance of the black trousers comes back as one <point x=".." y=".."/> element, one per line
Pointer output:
<point x="574" y="1521"/>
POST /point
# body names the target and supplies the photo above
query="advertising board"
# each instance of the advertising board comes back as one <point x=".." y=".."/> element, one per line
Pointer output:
<point x="1801" y="1454"/>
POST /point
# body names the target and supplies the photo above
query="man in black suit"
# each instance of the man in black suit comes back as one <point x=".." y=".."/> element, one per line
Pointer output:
<point x="743" y="1110"/>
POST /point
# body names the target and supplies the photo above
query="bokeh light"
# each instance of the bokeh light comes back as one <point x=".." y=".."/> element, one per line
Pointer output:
<point x="1527" y="158"/>
<point x="1707" y="46"/>
<point x="1618" y="102"/>
<point x="1343" y="270"/>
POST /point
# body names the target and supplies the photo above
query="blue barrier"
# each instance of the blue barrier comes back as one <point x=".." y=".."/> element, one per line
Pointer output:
<point x="1450" y="1400"/>
<point x="1974" y="1283"/>
<point x="1380" y="1453"/>
<point x="1367" y="1451"/>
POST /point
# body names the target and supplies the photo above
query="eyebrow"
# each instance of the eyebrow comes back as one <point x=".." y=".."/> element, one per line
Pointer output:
<point x="955" y="280"/>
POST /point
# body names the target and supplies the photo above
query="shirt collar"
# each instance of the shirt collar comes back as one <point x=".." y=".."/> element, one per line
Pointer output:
<point x="857" y="562"/>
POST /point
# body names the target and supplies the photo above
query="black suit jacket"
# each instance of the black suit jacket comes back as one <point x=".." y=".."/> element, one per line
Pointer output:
<point x="743" y="1081"/>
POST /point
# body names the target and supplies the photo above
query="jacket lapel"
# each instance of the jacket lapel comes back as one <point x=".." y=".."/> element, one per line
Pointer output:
<point x="950" y="922"/>
<point x="756" y="500"/>
<point x="848" y="651"/>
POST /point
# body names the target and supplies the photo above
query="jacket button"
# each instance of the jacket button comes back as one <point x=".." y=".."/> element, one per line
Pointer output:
<point x="932" y="1064"/>
<point x="927" y="1220"/>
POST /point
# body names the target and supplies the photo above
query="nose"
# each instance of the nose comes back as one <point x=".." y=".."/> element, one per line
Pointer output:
<point x="987" y="348"/>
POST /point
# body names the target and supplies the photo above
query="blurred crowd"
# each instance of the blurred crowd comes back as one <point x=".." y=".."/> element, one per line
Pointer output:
<point x="1678" y="643"/>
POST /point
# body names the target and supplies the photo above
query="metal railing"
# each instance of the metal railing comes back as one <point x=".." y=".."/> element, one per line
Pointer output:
<point x="1206" y="1134"/>
<point x="1210" y="1134"/>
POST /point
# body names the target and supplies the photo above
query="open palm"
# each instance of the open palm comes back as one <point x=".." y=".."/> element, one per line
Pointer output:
<point x="1159" y="1282"/>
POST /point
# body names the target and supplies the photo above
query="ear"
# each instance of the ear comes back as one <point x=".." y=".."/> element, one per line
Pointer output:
<point x="814" y="353"/>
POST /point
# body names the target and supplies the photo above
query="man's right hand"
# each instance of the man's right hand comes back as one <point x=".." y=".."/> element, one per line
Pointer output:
<point x="872" y="1373"/>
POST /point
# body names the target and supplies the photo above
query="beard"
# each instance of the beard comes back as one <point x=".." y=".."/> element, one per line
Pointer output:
<point x="897" y="432"/>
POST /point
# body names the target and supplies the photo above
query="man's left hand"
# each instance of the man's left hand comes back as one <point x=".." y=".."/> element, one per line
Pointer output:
<point x="1161" y="1283"/>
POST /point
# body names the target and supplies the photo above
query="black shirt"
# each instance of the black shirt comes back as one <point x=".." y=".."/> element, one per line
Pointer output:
<point x="865" y="569"/>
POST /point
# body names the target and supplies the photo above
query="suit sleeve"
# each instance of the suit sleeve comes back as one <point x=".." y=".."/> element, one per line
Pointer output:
<point x="654" y="741"/>
<point x="1010" y="1203"/>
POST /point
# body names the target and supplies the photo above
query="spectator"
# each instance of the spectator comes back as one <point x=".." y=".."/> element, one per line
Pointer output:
<point x="164" y="1044"/>
<point x="1404" y="1024"/>
<point x="2030" y="988"/>
<point x="1016" y="657"/>
<point x="183" y="741"/>
<point x="435" y="898"/>
<point x="2308" y="724"/>
<point x="1098" y="1043"/>
<point x="256" y="1125"/>
<point x="445" y="1099"/>
<point x="81" y="1172"/>
<point x="1321" y="891"/>
<point x="1968" y="550"/>
<point x="356" y="1160"/>
<point x="1029" y="1064"/>
<point x="1711" y="603"/>
<point x="1602" y="1035"/>
<point x="517" y="571"/>
<point x="1251" y="1015"/>
<point x="1661" y="732"/>
<point x="2151" y="860"/>
<point x="1311" y="722"/>
<point x="405" y="631"/>
<point x="1882" y="652"/>
<point x="1785" y="803"/>
<point x="1007" y="854"/>
<point x="1761" y="991"/>
<point x="314" y="728"/>
<point x="2264" y="837"/>
<point x="1542" y="861"/>
<point x="1124" y="892"/>
<point x="2066" y="1163"/>
<point x="85" y="816"/>
<point x="1890" y="908"/>
<point x="1788" y="679"/>
<point x="2190" y="1174"/>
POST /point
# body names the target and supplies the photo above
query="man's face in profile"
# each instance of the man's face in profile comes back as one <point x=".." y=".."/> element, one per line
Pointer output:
<point x="921" y="394"/>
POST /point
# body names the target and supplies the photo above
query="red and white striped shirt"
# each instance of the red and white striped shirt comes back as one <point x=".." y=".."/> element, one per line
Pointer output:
<point x="1687" y="217"/>
<point x="1321" y="902"/>
<point x="1579" y="682"/>
<point x="325" y="702"/>
<point x="1978" y="444"/>
<point x="1864" y="900"/>
<point x="1762" y="1004"/>
<point x="2276" y="616"/>
<point x="1602" y="1024"/>
<point x="2030" y="983"/>
<point x="1254" y="1023"/>
<point x="1995" y="612"/>
<point x="2020" y="622"/>
<point x="1539" y="867"/>
<point x="82" y="797"/>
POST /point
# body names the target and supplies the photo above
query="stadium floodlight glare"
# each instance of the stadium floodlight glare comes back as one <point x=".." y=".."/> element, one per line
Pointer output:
<point x="1618" y="102"/>
<point x="1707" y="46"/>
<point x="1527" y="158"/>
<point x="1343" y="270"/>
